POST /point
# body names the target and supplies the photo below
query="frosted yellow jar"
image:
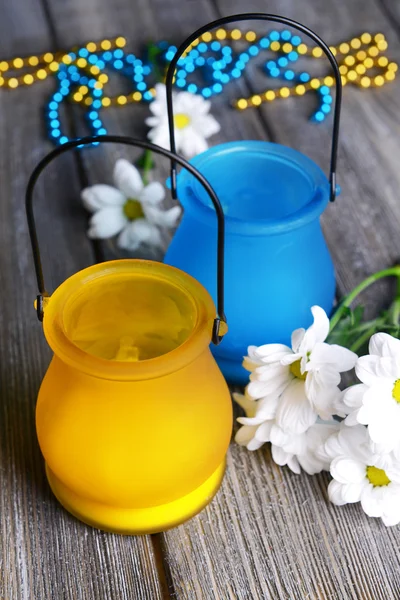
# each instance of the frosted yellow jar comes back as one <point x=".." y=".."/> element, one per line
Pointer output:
<point x="133" y="417"/>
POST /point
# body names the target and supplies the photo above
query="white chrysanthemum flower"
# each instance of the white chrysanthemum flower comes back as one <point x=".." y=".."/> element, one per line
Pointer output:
<point x="376" y="401"/>
<point x="193" y="123"/>
<point x="358" y="476"/>
<point x="130" y="209"/>
<point x="304" y="377"/>
<point x="295" y="451"/>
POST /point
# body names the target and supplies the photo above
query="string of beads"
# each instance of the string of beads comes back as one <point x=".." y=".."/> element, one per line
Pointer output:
<point x="82" y="73"/>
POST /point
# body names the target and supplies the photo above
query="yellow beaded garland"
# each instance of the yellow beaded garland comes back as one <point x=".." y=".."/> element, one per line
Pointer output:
<point x="349" y="55"/>
<point x="356" y="58"/>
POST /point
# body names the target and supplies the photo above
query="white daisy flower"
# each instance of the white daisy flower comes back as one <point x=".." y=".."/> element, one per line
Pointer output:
<point x="193" y="123"/>
<point x="358" y="476"/>
<point x="295" y="451"/>
<point x="130" y="209"/>
<point x="376" y="401"/>
<point x="304" y="377"/>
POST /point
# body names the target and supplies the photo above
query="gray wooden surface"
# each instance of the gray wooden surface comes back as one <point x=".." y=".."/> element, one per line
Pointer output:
<point x="268" y="533"/>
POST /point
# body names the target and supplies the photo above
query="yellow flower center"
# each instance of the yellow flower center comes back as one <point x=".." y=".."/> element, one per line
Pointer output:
<point x="181" y="120"/>
<point x="133" y="209"/>
<point x="295" y="369"/>
<point x="377" y="477"/>
<point x="396" y="390"/>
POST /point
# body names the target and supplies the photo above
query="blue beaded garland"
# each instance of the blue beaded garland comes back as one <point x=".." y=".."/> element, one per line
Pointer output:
<point x="216" y="61"/>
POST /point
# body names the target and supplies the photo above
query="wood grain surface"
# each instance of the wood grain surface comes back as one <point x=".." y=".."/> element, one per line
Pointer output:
<point x="268" y="534"/>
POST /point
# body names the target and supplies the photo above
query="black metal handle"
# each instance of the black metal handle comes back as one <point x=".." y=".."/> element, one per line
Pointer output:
<point x="256" y="17"/>
<point x="218" y="330"/>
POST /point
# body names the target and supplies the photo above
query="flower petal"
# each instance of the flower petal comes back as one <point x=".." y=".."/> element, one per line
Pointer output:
<point x="162" y="218"/>
<point x="106" y="222"/>
<point x="270" y="353"/>
<point x="248" y="404"/>
<point x="294" y="465"/>
<point x="351" y="492"/>
<point x="325" y="397"/>
<point x="250" y="420"/>
<point x="158" y="106"/>
<point x="275" y="373"/>
<point x="352" y="419"/>
<point x="279" y="455"/>
<point x="152" y="121"/>
<point x="269" y="382"/>
<point x="347" y="470"/>
<point x="297" y="338"/>
<point x="335" y="493"/>
<point x="192" y="142"/>
<point x="152" y="194"/>
<point x="278" y="436"/>
<point x="383" y="344"/>
<point x="390" y="519"/>
<point x="251" y="361"/>
<point x="324" y="376"/>
<point x="353" y="396"/>
<point x="266" y="407"/>
<point x="391" y="505"/>
<point x="160" y="136"/>
<point x="127" y="179"/>
<point x="263" y="433"/>
<point x="334" y="355"/>
<point x="366" y="369"/>
<point x="371" y="500"/>
<point x="317" y="332"/>
<point x="207" y="124"/>
<point x="289" y="359"/>
<point x="245" y="434"/>
<point x="101" y="196"/>
<point x="311" y="463"/>
<point x="139" y="232"/>
<point x="385" y="428"/>
<point x="254" y="444"/>
<point x="294" y="413"/>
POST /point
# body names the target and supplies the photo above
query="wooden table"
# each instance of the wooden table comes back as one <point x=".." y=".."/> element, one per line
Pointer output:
<point x="268" y="533"/>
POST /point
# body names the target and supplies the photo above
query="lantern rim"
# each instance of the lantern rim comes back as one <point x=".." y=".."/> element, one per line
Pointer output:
<point x="63" y="299"/>
<point x="304" y="170"/>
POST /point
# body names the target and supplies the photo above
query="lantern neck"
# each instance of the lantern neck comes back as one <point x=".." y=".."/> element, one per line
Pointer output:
<point x="129" y="320"/>
<point x="265" y="188"/>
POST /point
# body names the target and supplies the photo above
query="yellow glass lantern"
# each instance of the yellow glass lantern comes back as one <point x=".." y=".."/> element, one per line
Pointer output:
<point x="133" y="416"/>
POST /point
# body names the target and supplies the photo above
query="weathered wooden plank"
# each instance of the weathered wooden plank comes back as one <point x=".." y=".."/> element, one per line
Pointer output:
<point x="392" y="10"/>
<point x="269" y="533"/>
<point x="44" y="552"/>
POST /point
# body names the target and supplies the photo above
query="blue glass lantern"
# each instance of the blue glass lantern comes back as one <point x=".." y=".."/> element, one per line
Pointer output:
<point x="277" y="264"/>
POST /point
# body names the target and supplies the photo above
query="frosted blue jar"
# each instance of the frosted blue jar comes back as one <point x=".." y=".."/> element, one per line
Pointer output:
<point x="277" y="264"/>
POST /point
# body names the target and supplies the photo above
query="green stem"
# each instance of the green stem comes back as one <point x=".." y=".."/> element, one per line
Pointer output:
<point x="147" y="165"/>
<point x="363" y="339"/>
<point x="349" y="299"/>
<point x="394" y="311"/>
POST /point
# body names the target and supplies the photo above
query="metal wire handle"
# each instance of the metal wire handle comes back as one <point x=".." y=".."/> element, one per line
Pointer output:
<point x="256" y="17"/>
<point x="216" y="333"/>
